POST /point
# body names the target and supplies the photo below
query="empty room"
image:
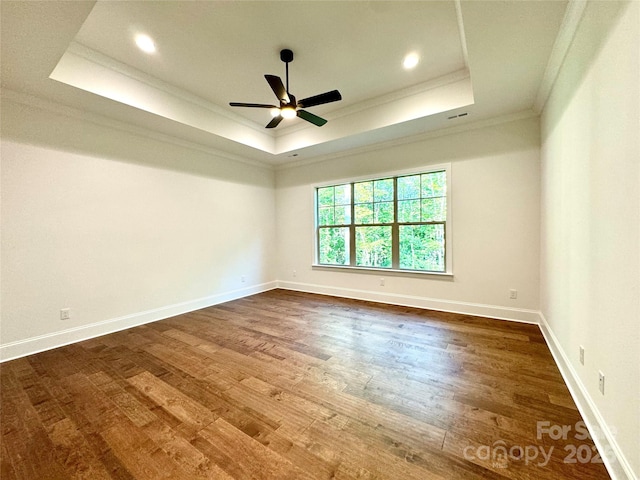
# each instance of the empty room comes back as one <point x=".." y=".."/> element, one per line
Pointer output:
<point x="320" y="240"/>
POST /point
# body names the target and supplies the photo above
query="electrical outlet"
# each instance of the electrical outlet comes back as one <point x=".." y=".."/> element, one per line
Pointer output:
<point x="601" y="382"/>
<point x="382" y="281"/>
<point x="581" y="354"/>
<point x="295" y="274"/>
<point x="242" y="279"/>
<point x="513" y="294"/>
<point x="65" y="314"/>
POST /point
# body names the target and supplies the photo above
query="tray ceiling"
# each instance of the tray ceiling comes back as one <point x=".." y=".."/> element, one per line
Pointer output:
<point x="210" y="53"/>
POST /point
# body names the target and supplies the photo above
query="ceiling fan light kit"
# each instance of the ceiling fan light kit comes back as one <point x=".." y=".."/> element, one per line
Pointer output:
<point x="288" y="107"/>
<point x="287" y="112"/>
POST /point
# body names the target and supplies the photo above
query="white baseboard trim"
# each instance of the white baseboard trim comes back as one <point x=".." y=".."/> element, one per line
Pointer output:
<point x="465" y="308"/>
<point x="29" y="346"/>
<point x="616" y="462"/>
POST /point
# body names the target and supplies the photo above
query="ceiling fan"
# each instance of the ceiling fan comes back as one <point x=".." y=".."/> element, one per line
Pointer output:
<point x="288" y="107"/>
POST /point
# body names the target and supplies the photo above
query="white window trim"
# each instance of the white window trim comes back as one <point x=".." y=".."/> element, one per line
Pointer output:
<point x="396" y="173"/>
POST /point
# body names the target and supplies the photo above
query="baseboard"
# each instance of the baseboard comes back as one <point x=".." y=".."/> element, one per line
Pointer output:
<point x="618" y="467"/>
<point x="29" y="346"/>
<point x="465" y="308"/>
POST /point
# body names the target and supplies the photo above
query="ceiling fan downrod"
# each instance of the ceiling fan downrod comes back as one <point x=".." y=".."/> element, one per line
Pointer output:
<point x="286" y="56"/>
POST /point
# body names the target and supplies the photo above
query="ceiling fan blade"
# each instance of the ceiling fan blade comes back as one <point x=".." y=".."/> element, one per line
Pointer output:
<point x="327" y="97"/>
<point x="274" y="123"/>
<point x="278" y="88"/>
<point x="310" y="117"/>
<point x="251" y="105"/>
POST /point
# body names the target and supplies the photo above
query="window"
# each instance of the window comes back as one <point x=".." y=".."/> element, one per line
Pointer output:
<point x="397" y="222"/>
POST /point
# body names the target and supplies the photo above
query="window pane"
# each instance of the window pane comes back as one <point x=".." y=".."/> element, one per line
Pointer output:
<point x="325" y="196"/>
<point x="334" y="246"/>
<point x="364" y="213"/>
<point x="401" y="228"/>
<point x="343" y="194"/>
<point x="434" y="184"/>
<point x="343" y="215"/>
<point x="363" y="192"/>
<point x="383" y="212"/>
<point x="383" y="190"/>
<point x="408" y="211"/>
<point x="422" y="247"/>
<point x="325" y="215"/>
<point x="409" y="187"/>
<point x="434" y="209"/>
<point x="373" y="247"/>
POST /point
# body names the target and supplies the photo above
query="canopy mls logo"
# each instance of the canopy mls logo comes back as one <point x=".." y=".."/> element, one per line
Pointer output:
<point x="500" y="455"/>
<point x="579" y="449"/>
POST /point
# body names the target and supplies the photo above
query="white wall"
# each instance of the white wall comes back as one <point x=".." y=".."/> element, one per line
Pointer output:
<point x="120" y="229"/>
<point x="495" y="203"/>
<point x="590" y="261"/>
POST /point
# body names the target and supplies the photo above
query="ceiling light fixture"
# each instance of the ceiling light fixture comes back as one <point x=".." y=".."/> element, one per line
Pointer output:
<point x="289" y="107"/>
<point x="288" y="112"/>
<point x="145" y="43"/>
<point x="410" y="61"/>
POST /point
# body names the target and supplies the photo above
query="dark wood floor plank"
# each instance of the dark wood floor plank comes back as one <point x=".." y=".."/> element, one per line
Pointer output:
<point x="24" y="438"/>
<point x="289" y="385"/>
<point x="256" y="460"/>
<point x="74" y="452"/>
<point x="181" y="406"/>
<point x="139" y="454"/>
<point x="357" y="457"/>
<point x="191" y="460"/>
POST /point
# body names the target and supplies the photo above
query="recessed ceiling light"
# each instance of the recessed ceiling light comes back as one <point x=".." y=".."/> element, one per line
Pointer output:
<point x="145" y="43"/>
<point x="410" y="61"/>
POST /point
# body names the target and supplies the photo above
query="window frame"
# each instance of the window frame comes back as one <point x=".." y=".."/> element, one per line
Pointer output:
<point x="448" y="230"/>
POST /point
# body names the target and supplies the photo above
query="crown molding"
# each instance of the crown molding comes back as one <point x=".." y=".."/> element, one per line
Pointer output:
<point x="102" y="121"/>
<point x="564" y="39"/>
<point x="105" y="61"/>
<point x="463" y="36"/>
<point x="489" y="122"/>
<point x="390" y="97"/>
<point x="72" y="112"/>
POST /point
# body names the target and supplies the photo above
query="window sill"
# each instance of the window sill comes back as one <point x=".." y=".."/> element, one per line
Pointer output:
<point x="389" y="271"/>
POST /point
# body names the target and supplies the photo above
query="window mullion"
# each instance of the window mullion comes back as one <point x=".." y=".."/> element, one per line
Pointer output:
<point x="352" y="229"/>
<point x="395" y="229"/>
<point x="317" y="215"/>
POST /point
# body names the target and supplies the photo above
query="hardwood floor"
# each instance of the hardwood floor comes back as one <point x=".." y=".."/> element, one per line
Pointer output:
<point x="287" y="385"/>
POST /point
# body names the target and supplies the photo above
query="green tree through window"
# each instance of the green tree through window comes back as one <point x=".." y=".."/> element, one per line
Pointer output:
<point x="396" y="223"/>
